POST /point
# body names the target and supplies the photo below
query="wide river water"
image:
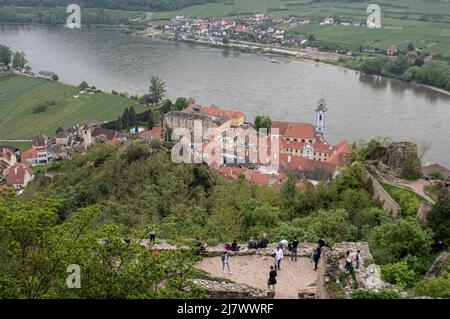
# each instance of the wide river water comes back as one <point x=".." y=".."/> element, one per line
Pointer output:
<point x="359" y="106"/>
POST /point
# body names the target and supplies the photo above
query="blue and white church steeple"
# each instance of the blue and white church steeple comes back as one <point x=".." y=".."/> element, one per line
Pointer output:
<point x="321" y="117"/>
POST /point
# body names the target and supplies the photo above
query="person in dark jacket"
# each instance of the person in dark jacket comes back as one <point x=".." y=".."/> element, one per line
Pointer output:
<point x="322" y="243"/>
<point x="272" y="278"/>
<point x="263" y="242"/>
<point x="316" y="256"/>
<point x="294" y="245"/>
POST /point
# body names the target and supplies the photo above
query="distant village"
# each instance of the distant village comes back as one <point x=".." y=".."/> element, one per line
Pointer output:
<point x="303" y="148"/>
<point x="257" y="28"/>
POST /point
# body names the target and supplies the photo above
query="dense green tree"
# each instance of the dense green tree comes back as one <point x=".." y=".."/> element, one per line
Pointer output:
<point x="439" y="220"/>
<point x="36" y="251"/>
<point x="398" y="274"/>
<point x="5" y="55"/>
<point x="289" y="194"/>
<point x="181" y="103"/>
<point x="133" y="116"/>
<point x="391" y="242"/>
<point x="19" y="61"/>
<point x="150" y="121"/>
<point x="262" y="121"/>
<point x="157" y="89"/>
<point x="83" y="85"/>
<point x="166" y="107"/>
<point x="438" y="287"/>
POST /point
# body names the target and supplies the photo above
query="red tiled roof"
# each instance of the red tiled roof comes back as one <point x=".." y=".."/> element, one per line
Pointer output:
<point x="252" y="176"/>
<point x="295" y="130"/>
<point x="340" y="155"/>
<point x="109" y="134"/>
<point x="428" y="170"/>
<point x="305" y="165"/>
<point x="214" y="111"/>
<point x="16" y="174"/>
<point x="155" y="133"/>
<point x="31" y="153"/>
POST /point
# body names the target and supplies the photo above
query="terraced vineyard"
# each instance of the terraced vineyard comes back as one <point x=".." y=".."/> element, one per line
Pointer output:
<point x="20" y="95"/>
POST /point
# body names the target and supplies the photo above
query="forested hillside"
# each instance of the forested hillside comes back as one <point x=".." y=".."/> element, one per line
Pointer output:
<point x="118" y="192"/>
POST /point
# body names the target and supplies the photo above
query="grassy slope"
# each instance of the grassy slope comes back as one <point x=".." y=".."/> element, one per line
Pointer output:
<point x="19" y="94"/>
<point x="403" y="15"/>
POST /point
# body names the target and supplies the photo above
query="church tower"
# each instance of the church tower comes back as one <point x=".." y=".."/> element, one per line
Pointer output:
<point x="321" y="117"/>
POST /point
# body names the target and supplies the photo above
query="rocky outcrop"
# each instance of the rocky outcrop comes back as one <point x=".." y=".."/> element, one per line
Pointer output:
<point x="438" y="266"/>
<point x="403" y="160"/>
<point x="224" y="290"/>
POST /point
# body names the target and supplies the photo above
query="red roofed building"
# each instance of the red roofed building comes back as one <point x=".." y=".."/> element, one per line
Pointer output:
<point x="7" y="158"/>
<point x="36" y="156"/>
<point x="93" y="134"/>
<point x="340" y="154"/>
<point x="237" y="118"/>
<point x="252" y="176"/>
<point x="310" y="169"/>
<point x="392" y="51"/>
<point x="19" y="175"/>
<point x="295" y="132"/>
<point x="157" y="133"/>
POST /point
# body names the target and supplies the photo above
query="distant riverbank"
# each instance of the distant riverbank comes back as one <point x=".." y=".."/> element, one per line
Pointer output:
<point x="304" y="55"/>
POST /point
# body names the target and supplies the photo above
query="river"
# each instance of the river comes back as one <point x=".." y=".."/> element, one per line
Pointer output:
<point x="359" y="106"/>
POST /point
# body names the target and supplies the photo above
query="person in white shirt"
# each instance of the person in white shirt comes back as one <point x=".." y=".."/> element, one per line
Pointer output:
<point x="278" y="255"/>
<point x="348" y="261"/>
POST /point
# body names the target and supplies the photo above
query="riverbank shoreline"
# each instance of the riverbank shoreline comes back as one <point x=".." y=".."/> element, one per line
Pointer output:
<point x="299" y="55"/>
<point x="311" y="56"/>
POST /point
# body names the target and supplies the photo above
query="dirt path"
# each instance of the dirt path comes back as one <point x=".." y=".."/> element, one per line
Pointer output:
<point x="254" y="271"/>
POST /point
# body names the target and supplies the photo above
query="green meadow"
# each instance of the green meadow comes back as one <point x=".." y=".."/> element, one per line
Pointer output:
<point x="425" y="23"/>
<point x="20" y="95"/>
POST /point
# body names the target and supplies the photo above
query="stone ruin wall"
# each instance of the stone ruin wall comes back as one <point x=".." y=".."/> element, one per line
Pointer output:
<point x="379" y="193"/>
<point x="328" y="272"/>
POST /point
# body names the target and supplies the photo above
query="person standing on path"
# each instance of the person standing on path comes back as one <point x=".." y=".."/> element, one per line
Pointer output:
<point x="348" y="261"/>
<point x="278" y="255"/>
<point x="152" y="235"/>
<point x="225" y="261"/>
<point x="358" y="259"/>
<point x="316" y="257"/>
<point x="272" y="278"/>
<point x="294" y="245"/>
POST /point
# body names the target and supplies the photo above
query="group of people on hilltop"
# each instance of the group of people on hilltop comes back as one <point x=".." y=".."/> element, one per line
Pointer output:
<point x="277" y="254"/>
<point x="350" y="258"/>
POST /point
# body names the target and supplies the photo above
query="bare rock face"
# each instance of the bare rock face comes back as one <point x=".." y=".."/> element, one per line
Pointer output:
<point x="438" y="266"/>
<point x="402" y="159"/>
